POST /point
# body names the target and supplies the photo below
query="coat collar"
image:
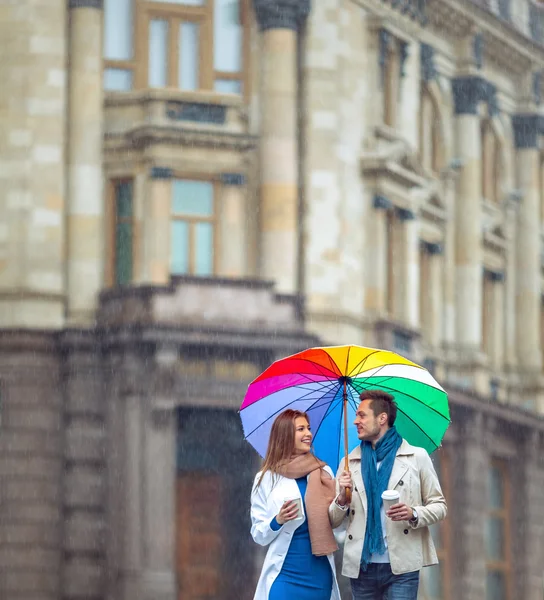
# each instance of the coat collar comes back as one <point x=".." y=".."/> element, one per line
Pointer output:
<point x="405" y="449"/>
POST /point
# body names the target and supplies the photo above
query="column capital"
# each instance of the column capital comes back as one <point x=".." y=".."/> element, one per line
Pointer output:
<point x="281" y="14"/>
<point x="469" y="91"/>
<point x="428" y="67"/>
<point x="382" y="202"/>
<point x="527" y="129"/>
<point x="99" y="4"/>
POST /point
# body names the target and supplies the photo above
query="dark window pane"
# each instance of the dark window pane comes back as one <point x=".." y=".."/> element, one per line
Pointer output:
<point x="495" y="586"/>
<point x="496" y="487"/>
<point x="124" y="199"/>
<point x="123" y="232"/>
<point x="494" y="538"/>
<point x="123" y="253"/>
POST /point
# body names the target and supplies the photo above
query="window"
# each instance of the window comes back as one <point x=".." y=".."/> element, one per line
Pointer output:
<point x="180" y="44"/>
<point x="436" y="581"/>
<point x="122" y="233"/>
<point x="429" y="133"/>
<point x="391" y="262"/>
<point x="490" y="163"/>
<point x="391" y="80"/>
<point x="504" y="9"/>
<point x="497" y="533"/>
<point x="192" y="228"/>
<point x="492" y="317"/>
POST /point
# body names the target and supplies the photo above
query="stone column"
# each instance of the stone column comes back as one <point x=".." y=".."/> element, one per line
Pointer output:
<point x="470" y="536"/>
<point x="279" y="20"/>
<point x="376" y="263"/>
<point x="526" y="131"/>
<point x="159" y="481"/>
<point x="157" y="227"/>
<point x="448" y="273"/>
<point x="494" y="305"/>
<point x="432" y="294"/>
<point x="532" y="524"/>
<point x="86" y="240"/>
<point x="233" y="236"/>
<point x="408" y="288"/>
<point x="468" y="215"/>
<point x="510" y="292"/>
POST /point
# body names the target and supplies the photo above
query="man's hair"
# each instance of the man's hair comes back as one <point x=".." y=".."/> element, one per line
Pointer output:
<point x="381" y="402"/>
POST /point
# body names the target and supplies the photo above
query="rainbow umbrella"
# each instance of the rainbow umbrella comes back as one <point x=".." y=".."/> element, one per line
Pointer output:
<point x="326" y="383"/>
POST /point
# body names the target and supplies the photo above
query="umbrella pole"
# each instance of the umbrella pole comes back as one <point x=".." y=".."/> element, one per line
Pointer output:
<point x="346" y="461"/>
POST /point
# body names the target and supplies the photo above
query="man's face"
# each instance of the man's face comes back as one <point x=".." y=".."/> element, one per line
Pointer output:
<point x="367" y="423"/>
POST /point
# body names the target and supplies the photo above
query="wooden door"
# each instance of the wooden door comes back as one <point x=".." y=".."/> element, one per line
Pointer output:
<point x="199" y="535"/>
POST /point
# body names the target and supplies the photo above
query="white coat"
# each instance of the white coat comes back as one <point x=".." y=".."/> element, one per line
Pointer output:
<point x="266" y="502"/>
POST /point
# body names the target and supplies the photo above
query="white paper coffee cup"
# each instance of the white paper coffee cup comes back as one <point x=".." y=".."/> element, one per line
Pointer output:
<point x="298" y="502"/>
<point x="390" y="497"/>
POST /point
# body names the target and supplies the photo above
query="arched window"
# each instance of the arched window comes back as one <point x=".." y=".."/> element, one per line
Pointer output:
<point x="431" y="154"/>
<point x="490" y="162"/>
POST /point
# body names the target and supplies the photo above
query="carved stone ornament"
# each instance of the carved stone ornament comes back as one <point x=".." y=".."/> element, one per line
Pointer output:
<point x="281" y="14"/>
<point x="428" y="68"/>
<point x="469" y="91"/>
<point x="99" y="4"/>
<point x="527" y="129"/>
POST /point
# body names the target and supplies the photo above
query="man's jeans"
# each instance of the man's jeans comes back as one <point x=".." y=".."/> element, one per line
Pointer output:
<point x="379" y="583"/>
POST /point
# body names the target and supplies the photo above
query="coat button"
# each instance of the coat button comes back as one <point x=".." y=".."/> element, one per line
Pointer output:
<point x="352" y="511"/>
<point x="355" y="488"/>
<point x="406" y="532"/>
<point x="350" y="537"/>
<point x="401" y="482"/>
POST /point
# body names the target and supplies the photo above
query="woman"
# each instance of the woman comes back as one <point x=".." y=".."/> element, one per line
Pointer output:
<point x="299" y="564"/>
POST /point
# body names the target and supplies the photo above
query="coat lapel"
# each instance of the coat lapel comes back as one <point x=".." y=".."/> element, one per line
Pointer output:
<point x="400" y="466"/>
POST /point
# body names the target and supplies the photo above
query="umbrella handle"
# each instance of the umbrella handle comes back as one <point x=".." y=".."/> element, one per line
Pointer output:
<point x="346" y="460"/>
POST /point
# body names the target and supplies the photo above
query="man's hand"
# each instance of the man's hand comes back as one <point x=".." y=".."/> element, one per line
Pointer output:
<point x="400" y="512"/>
<point x="344" y="482"/>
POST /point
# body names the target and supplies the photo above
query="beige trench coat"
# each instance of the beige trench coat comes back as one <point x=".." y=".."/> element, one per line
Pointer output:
<point x="410" y="546"/>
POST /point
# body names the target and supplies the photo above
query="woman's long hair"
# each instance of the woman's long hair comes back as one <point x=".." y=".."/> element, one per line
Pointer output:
<point x="281" y="443"/>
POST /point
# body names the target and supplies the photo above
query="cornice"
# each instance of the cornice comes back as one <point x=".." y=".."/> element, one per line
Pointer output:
<point x="148" y="135"/>
<point x="504" y="44"/>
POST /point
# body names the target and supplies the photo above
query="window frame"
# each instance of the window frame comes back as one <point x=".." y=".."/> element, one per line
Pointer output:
<point x="192" y="220"/>
<point x="504" y="566"/>
<point x="145" y="10"/>
<point x="112" y="220"/>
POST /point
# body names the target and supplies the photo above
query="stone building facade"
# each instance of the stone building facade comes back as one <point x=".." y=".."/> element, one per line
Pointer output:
<point x="191" y="189"/>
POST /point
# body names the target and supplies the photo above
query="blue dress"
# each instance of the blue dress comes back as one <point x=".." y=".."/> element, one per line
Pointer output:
<point x="303" y="576"/>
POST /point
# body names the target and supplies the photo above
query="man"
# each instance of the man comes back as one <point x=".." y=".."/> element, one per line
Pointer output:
<point x="384" y="551"/>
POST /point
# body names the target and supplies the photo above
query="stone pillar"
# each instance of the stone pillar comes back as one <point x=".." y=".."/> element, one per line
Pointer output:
<point x="510" y="291"/>
<point x="85" y="479"/>
<point x="528" y="280"/>
<point x="159" y="482"/>
<point x="376" y="262"/>
<point x="468" y="238"/>
<point x="408" y="287"/>
<point x="471" y="548"/>
<point x="279" y="20"/>
<point x="532" y="524"/>
<point x="432" y="294"/>
<point x="233" y="235"/>
<point x="85" y="233"/>
<point x="448" y="276"/>
<point x="157" y="227"/>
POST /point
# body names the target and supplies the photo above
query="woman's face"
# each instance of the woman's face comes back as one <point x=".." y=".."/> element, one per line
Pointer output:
<point x="303" y="436"/>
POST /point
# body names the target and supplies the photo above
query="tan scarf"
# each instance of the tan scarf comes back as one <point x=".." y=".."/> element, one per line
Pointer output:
<point x="319" y="494"/>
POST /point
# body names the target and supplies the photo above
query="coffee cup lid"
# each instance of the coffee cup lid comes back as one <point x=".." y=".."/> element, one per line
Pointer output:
<point x="390" y="495"/>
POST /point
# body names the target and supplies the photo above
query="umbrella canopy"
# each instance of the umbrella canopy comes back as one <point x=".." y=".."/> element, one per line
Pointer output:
<point x="326" y="383"/>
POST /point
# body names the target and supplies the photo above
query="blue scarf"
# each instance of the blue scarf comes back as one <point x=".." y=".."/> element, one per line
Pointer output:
<point x="375" y="484"/>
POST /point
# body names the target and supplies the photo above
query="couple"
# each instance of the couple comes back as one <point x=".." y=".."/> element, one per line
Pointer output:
<point x="384" y="551"/>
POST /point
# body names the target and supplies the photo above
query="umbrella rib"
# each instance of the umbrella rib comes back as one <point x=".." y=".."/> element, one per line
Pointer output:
<point x="325" y="415"/>
<point x="362" y="362"/>
<point x="324" y="385"/>
<point x="411" y="396"/>
<point x="284" y="407"/>
<point x="420" y="428"/>
<point x="308" y="361"/>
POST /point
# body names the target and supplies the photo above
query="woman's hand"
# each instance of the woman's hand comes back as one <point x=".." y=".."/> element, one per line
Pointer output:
<point x="288" y="512"/>
<point x="344" y="483"/>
